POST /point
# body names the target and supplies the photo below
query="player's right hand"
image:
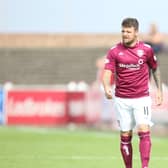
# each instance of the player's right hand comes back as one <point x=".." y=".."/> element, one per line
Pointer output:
<point x="108" y="94"/>
<point x="159" y="98"/>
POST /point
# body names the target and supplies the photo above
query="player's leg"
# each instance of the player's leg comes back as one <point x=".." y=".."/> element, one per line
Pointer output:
<point x="124" y="117"/>
<point x="126" y="147"/>
<point x="144" y="146"/>
<point x="143" y="118"/>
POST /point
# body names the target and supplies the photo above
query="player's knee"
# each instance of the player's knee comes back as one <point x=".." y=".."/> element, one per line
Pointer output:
<point x="126" y="133"/>
<point x="143" y="128"/>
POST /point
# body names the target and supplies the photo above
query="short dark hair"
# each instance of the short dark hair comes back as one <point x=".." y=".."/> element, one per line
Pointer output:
<point x="130" y="22"/>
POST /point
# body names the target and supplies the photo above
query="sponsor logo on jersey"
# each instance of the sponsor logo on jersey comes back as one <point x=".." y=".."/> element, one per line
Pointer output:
<point x="140" y="61"/>
<point x="129" y="66"/>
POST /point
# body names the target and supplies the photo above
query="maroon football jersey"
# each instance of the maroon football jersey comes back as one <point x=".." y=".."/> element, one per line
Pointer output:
<point x="131" y="67"/>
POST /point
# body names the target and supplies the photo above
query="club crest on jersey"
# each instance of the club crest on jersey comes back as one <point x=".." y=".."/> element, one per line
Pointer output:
<point x="140" y="53"/>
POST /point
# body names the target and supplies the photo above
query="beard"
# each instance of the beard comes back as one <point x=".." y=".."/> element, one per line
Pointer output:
<point x="129" y="42"/>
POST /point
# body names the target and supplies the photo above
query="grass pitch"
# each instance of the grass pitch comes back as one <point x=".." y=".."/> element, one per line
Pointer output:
<point x="27" y="147"/>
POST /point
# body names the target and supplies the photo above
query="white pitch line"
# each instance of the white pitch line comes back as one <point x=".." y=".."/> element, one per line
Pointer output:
<point x="159" y="158"/>
<point x="101" y="158"/>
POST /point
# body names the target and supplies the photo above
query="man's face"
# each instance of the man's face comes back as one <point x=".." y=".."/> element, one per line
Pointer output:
<point x="129" y="35"/>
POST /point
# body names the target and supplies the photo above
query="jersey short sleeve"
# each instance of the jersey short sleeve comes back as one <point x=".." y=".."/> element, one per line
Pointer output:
<point x="152" y="59"/>
<point x="110" y="60"/>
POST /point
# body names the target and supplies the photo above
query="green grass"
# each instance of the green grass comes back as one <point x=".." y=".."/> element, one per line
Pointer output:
<point x="27" y="147"/>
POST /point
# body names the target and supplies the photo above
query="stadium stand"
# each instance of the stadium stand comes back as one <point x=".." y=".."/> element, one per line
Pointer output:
<point x="49" y="65"/>
<point x="56" y="59"/>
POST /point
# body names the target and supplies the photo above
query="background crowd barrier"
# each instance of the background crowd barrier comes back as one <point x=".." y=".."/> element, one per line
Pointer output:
<point x="40" y="107"/>
<point x="52" y="107"/>
<point x="44" y="107"/>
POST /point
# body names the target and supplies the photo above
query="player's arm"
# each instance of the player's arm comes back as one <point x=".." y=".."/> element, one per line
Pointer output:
<point x="157" y="79"/>
<point x="107" y="83"/>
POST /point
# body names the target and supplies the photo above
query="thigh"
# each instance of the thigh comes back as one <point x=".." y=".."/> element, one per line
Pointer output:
<point x="124" y="114"/>
<point x="142" y="111"/>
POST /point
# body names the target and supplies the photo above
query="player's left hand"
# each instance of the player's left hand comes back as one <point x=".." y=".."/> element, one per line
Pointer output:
<point x="159" y="98"/>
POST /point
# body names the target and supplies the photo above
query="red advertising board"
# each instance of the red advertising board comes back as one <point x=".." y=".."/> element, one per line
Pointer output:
<point x="76" y="102"/>
<point x="38" y="107"/>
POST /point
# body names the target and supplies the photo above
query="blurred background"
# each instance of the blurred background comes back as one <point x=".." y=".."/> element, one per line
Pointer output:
<point x="52" y="53"/>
